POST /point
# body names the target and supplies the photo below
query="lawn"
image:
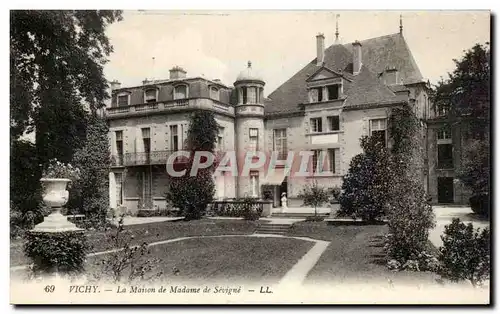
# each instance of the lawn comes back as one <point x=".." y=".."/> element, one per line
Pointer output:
<point x="153" y="232"/>
<point x="226" y="259"/>
<point x="355" y="255"/>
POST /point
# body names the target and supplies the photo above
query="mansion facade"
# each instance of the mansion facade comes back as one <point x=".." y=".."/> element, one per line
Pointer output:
<point x="346" y="92"/>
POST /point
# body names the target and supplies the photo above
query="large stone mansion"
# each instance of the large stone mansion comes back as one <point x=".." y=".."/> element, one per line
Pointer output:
<point x="345" y="92"/>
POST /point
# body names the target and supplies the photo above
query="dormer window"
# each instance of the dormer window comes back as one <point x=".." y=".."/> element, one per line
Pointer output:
<point x="151" y="95"/>
<point x="181" y="91"/>
<point x="333" y="92"/>
<point x="316" y="94"/>
<point x="123" y="99"/>
<point x="214" y="93"/>
<point x="391" y="77"/>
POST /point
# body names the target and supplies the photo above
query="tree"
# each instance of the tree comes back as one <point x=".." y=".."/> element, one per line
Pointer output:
<point x="365" y="186"/>
<point x="56" y="65"/>
<point x="314" y="195"/>
<point x="192" y="194"/>
<point x="466" y="93"/>
<point x="90" y="195"/>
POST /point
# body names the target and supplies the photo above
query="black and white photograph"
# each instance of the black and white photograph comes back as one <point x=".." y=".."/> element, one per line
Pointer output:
<point x="250" y="157"/>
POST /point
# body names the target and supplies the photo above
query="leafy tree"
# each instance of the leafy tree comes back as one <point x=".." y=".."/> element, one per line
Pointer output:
<point x="192" y="194"/>
<point x="365" y="186"/>
<point x="90" y="195"/>
<point x="466" y="94"/>
<point x="56" y="65"/>
<point x="314" y="195"/>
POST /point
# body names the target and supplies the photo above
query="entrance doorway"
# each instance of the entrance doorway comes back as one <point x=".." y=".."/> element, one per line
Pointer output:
<point x="445" y="190"/>
<point x="283" y="188"/>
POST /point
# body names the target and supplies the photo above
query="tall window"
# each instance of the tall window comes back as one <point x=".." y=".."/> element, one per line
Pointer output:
<point x="174" y="138"/>
<point x="444" y="133"/>
<point x="333" y="123"/>
<point x="316" y="94"/>
<point x="280" y="143"/>
<point x="146" y="140"/>
<point x="244" y="94"/>
<point x="378" y="129"/>
<point x="119" y="146"/>
<point x="316" y="125"/>
<point x="333" y="160"/>
<point x="254" y="139"/>
<point x="150" y="95"/>
<point x="445" y="156"/>
<point x="254" y="183"/>
<point x="315" y="159"/>
<point x="119" y="188"/>
<point x="123" y="100"/>
<point x="181" y="92"/>
<point x="333" y="92"/>
<point x="220" y="138"/>
<point x="214" y="93"/>
<point x="252" y="95"/>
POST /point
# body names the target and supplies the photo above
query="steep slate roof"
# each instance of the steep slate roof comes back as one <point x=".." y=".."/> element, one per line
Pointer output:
<point x="377" y="55"/>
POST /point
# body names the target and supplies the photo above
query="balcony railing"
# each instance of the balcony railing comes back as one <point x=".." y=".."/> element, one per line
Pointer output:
<point x="169" y="105"/>
<point x="151" y="158"/>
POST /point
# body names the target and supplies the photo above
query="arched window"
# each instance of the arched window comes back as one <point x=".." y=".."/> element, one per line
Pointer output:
<point x="151" y="95"/>
<point x="181" y="91"/>
<point x="214" y="93"/>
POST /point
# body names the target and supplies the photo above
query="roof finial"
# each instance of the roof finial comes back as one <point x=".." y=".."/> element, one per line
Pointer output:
<point x="337" y="28"/>
<point x="401" y="24"/>
<point x="249" y="64"/>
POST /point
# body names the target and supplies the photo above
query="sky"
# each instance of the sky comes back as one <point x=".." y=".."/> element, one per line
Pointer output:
<point x="218" y="44"/>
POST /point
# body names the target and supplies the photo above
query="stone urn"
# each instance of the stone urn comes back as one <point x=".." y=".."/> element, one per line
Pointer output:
<point x="55" y="196"/>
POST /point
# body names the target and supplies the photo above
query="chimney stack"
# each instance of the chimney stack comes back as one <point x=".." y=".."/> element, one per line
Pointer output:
<point x="320" y="49"/>
<point x="115" y="85"/>
<point x="356" y="58"/>
<point x="177" y="73"/>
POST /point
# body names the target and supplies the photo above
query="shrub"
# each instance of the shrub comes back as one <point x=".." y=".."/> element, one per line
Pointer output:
<point x="465" y="254"/>
<point x="64" y="252"/>
<point x="335" y="192"/>
<point x="314" y="195"/>
<point x="480" y="204"/>
<point x="410" y="218"/>
<point x="365" y="186"/>
<point x="251" y="210"/>
<point x="130" y="262"/>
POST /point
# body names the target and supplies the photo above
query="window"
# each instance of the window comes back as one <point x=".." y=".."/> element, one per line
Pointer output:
<point x="244" y="94"/>
<point x="181" y="92"/>
<point x="333" y="123"/>
<point x="444" y="133"/>
<point x="442" y="110"/>
<point x="146" y="140"/>
<point x="333" y="92"/>
<point x="391" y="77"/>
<point x="315" y="159"/>
<point x="333" y="160"/>
<point x="123" y="100"/>
<point x="252" y="95"/>
<point x="214" y="93"/>
<point x="445" y="156"/>
<point x="316" y="94"/>
<point x="119" y="147"/>
<point x="174" y="138"/>
<point x="280" y="143"/>
<point x="119" y="189"/>
<point x="254" y="183"/>
<point x="150" y="95"/>
<point x="378" y="129"/>
<point x="316" y="125"/>
<point x="220" y="138"/>
<point x="254" y="140"/>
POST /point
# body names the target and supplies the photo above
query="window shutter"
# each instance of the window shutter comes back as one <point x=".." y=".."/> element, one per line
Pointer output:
<point x="337" y="160"/>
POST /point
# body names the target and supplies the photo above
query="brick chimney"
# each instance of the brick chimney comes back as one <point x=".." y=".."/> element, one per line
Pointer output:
<point x="115" y="85"/>
<point x="320" y="49"/>
<point x="356" y="57"/>
<point x="177" y="73"/>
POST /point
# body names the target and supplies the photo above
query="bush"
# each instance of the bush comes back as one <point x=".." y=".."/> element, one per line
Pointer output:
<point x="64" y="252"/>
<point x="365" y="186"/>
<point x="465" y="254"/>
<point x="129" y="263"/>
<point x="251" y="210"/>
<point x="410" y="217"/>
<point x="314" y="195"/>
<point x="480" y="204"/>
